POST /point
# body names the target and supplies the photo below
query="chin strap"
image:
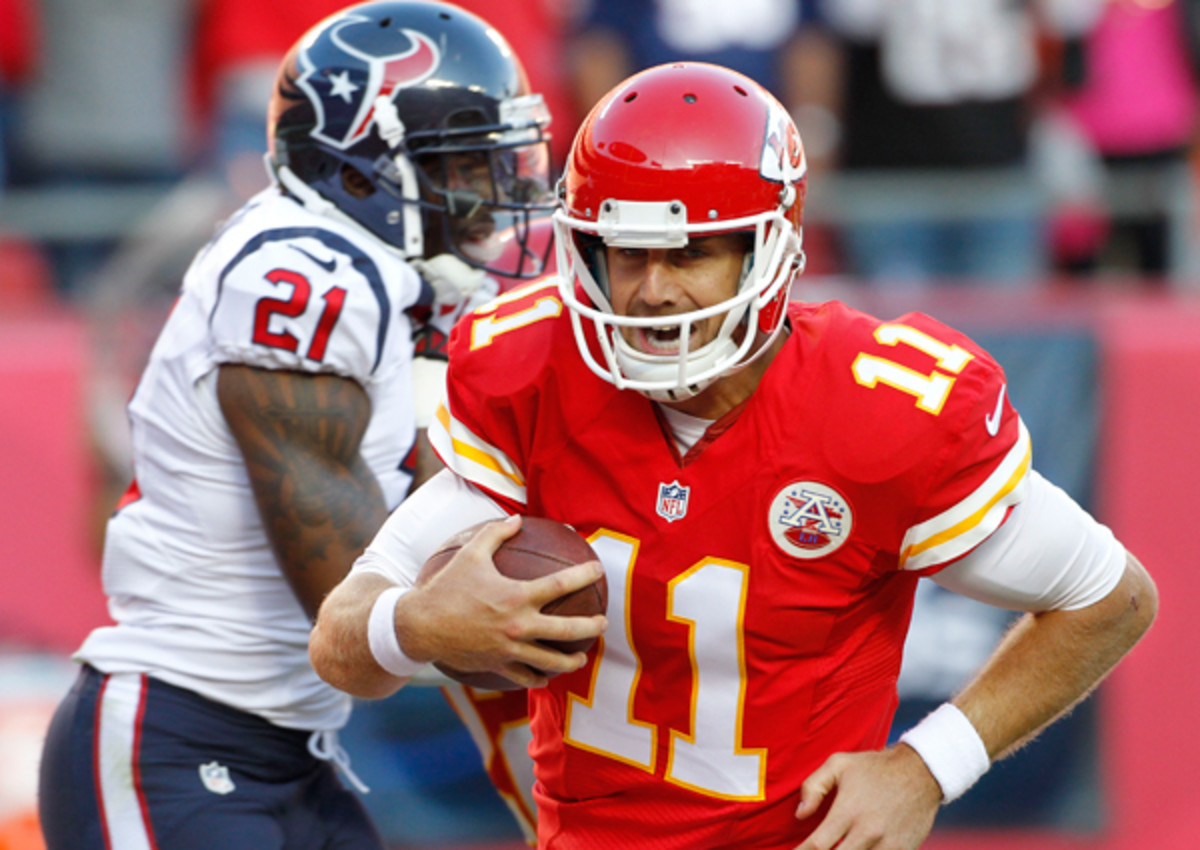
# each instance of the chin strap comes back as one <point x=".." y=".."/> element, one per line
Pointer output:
<point x="311" y="199"/>
<point x="284" y="178"/>
<point x="391" y="129"/>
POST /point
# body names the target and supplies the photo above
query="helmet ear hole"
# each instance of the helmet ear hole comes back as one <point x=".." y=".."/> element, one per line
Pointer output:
<point x="591" y="249"/>
<point x="355" y="182"/>
<point x="747" y="239"/>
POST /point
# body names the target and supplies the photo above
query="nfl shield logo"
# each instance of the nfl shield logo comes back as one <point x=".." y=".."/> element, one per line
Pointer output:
<point x="215" y="777"/>
<point x="672" y="501"/>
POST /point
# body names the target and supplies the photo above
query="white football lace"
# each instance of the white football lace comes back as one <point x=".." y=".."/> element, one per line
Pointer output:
<point x="323" y="744"/>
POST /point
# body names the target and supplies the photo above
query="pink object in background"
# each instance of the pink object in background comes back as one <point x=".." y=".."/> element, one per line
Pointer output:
<point x="1139" y="93"/>
<point x="51" y="576"/>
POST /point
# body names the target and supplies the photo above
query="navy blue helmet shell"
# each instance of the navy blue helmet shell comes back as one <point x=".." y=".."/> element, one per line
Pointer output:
<point x="432" y="109"/>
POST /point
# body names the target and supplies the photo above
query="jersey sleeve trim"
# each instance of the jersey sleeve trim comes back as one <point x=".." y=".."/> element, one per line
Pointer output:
<point x="475" y="459"/>
<point x="956" y="531"/>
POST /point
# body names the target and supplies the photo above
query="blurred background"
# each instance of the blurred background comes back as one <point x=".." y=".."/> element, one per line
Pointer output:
<point x="1026" y="170"/>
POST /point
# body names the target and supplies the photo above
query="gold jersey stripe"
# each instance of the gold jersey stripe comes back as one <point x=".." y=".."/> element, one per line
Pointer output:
<point x="1001" y="490"/>
<point x="483" y="463"/>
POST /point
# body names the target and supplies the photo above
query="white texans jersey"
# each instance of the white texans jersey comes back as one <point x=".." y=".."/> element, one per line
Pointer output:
<point x="197" y="595"/>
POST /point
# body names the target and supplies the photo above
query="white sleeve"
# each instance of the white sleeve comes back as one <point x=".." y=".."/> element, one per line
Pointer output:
<point x="1049" y="554"/>
<point x="429" y="388"/>
<point x="436" y="511"/>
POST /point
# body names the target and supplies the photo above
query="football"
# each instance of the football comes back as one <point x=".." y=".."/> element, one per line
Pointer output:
<point x="541" y="547"/>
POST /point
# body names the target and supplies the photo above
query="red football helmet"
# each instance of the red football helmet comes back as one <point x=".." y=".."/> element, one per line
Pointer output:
<point x="675" y="151"/>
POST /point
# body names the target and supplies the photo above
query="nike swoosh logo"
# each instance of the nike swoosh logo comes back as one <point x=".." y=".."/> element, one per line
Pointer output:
<point x="992" y="420"/>
<point x="329" y="265"/>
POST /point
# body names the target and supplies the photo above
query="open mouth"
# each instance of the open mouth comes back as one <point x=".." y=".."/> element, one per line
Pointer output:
<point x="476" y="229"/>
<point x="661" y="341"/>
<point x="478" y="240"/>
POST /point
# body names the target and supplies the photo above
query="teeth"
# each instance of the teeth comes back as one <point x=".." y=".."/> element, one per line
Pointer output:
<point x="661" y="340"/>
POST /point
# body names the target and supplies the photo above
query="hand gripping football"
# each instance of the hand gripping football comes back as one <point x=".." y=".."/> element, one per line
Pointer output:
<point x="541" y="547"/>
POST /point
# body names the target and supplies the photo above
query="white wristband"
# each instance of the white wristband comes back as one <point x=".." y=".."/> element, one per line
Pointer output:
<point x="951" y="749"/>
<point x="381" y="635"/>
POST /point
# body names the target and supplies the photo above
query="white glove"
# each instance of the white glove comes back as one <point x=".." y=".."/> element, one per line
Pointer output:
<point x="453" y="281"/>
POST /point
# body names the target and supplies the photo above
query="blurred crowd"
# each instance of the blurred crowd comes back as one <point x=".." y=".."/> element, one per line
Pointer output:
<point x="983" y="143"/>
<point x="974" y="141"/>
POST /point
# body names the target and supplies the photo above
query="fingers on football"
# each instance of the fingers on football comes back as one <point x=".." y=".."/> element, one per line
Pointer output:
<point x="524" y="676"/>
<point x="489" y="538"/>
<point x="568" y="580"/>
<point x="558" y="629"/>
<point x="543" y="659"/>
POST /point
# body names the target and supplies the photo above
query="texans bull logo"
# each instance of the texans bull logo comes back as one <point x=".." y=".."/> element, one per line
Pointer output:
<point x="345" y="101"/>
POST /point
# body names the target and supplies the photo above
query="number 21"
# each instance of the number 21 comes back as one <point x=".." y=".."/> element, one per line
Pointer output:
<point x="295" y="306"/>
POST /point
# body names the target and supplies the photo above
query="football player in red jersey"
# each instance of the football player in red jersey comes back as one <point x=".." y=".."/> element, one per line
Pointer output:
<point x="764" y="483"/>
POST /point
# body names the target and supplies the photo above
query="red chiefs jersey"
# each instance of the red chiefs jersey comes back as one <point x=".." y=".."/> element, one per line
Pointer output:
<point x="760" y="588"/>
<point x="499" y="724"/>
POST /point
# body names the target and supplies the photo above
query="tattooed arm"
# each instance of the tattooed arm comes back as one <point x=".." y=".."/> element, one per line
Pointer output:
<point x="300" y="436"/>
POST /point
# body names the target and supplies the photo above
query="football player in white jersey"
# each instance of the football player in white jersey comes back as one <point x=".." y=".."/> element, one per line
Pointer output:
<point x="273" y="430"/>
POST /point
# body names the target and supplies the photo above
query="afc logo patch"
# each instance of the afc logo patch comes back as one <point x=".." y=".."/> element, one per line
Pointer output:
<point x="809" y="520"/>
<point x="672" y="501"/>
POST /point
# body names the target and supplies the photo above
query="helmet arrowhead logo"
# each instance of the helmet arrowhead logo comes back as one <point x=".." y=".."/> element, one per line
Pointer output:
<point x="782" y="154"/>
